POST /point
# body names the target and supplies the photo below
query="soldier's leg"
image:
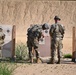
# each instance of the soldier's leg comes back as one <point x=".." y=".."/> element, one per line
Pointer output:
<point x="54" y="45"/>
<point x="59" y="52"/>
<point x="53" y="50"/>
<point x="53" y="55"/>
<point x="29" y="48"/>
<point x="37" y="55"/>
<point x="36" y="45"/>
<point x="30" y="54"/>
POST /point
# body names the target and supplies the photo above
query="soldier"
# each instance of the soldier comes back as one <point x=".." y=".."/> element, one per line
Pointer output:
<point x="34" y="34"/>
<point x="2" y="36"/>
<point x="57" y="34"/>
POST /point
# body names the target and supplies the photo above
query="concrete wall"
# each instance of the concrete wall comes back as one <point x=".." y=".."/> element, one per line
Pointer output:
<point x="22" y="13"/>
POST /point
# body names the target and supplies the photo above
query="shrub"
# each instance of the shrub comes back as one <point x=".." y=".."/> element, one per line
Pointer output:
<point x="21" y="51"/>
<point x="67" y="56"/>
<point x="6" y="69"/>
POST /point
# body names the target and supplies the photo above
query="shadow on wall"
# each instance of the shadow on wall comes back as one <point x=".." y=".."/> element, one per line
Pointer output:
<point x="7" y="49"/>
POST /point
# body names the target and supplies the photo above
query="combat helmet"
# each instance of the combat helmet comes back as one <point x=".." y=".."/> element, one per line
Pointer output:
<point x="45" y="26"/>
<point x="56" y="18"/>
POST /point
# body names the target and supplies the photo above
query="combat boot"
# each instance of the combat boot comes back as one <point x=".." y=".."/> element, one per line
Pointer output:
<point x="59" y="62"/>
<point x="52" y="61"/>
<point x="37" y="60"/>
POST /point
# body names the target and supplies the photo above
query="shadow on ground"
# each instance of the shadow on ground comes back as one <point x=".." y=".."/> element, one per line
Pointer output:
<point x="41" y="61"/>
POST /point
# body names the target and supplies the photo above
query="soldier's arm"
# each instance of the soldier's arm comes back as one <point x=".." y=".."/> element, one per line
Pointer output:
<point x="63" y="28"/>
<point x="42" y="35"/>
<point x="51" y="30"/>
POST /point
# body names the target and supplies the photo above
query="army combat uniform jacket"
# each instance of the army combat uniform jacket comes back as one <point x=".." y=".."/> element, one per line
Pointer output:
<point x="34" y="34"/>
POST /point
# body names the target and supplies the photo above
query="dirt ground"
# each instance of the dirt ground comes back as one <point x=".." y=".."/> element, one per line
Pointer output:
<point x="65" y="68"/>
<point x="46" y="69"/>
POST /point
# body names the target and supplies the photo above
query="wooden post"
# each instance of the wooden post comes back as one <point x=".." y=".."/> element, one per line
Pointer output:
<point x="73" y="45"/>
<point x="13" y="41"/>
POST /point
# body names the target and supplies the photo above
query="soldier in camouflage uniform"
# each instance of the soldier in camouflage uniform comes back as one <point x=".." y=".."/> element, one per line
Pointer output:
<point x="2" y="36"/>
<point x="33" y="36"/>
<point x="57" y="34"/>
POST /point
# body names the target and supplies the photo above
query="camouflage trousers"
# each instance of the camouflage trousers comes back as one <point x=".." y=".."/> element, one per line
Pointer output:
<point x="56" y="45"/>
<point x="33" y="44"/>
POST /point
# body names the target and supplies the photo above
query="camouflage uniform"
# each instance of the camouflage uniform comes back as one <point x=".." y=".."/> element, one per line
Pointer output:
<point x="34" y="34"/>
<point x="57" y="34"/>
<point x="2" y="36"/>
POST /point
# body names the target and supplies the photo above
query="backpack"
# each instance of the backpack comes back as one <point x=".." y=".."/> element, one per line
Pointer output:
<point x="34" y="31"/>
